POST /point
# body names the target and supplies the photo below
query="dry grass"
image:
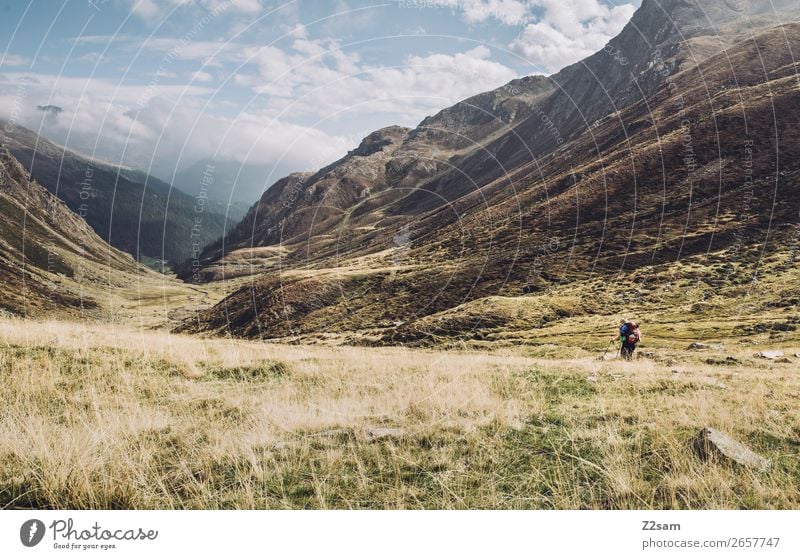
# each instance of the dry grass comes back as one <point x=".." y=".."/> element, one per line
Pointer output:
<point x="103" y="417"/>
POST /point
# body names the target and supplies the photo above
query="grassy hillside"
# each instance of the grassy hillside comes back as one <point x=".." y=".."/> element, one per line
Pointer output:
<point x="100" y="417"/>
<point x="132" y="211"/>
<point x="51" y="262"/>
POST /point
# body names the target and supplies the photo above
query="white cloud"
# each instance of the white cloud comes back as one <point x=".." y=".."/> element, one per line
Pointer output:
<point x="304" y="80"/>
<point x="507" y="12"/>
<point x="175" y="136"/>
<point x="10" y="60"/>
<point x="165" y="124"/>
<point x="318" y="78"/>
<point x="302" y="83"/>
<point x="569" y="30"/>
<point x="202" y="77"/>
<point x="296" y="31"/>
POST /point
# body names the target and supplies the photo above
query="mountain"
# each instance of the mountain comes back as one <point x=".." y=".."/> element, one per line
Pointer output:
<point x="385" y="168"/>
<point x="240" y="183"/>
<point x="51" y="261"/>
<point x="132" y="211"/>
<point x="638" y="167"/>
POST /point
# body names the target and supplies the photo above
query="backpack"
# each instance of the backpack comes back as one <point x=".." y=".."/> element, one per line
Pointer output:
<point x="628" y="334"/>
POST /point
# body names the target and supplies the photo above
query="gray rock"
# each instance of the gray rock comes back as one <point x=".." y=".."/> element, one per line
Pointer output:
<point x="376" y="433"/>
<point x="711" y="444"/>
<point x="770" y="354"/>
<point x="699" y="345"/>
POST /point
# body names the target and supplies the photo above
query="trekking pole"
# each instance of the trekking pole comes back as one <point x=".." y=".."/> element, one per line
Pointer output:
<point x="608" y="346"/>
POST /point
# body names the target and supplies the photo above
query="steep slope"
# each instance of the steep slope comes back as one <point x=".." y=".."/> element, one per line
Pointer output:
<point x="663" y="38"/>
<point x="704" y="166"/>
<point x="50" y="259"/>
<point x="132" y="211"/>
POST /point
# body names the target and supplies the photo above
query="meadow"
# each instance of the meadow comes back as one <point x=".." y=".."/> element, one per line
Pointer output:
<point x="98" y="415"/>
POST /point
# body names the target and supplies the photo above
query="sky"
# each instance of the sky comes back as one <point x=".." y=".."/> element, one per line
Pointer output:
<point x="162" y="84"/>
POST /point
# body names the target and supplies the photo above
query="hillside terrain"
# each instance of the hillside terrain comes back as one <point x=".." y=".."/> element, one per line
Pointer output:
<point x="658" y="162"/>
<point x="132" y="211"/>
<point x="51" y="262"/>
<point x="53" y="265"/>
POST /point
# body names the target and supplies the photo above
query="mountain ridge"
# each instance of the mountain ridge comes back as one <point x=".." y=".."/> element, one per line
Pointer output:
<point x="135" y="212"/>
<point x="51" y="261"/>
<point x="601" y="195"/>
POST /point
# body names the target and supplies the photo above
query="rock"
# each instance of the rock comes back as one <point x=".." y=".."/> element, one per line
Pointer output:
<point x="331" y="433"/>
<point x="375" y="433"/>
<point x="711" y="444"/>
<point x="727" y="361"/>
<point x="592" y="378"/>
<point x="770" y="354"/>
<point x="699" y="345"/>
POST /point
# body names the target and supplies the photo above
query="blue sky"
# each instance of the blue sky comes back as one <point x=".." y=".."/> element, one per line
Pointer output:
<point x="160" y="84"/>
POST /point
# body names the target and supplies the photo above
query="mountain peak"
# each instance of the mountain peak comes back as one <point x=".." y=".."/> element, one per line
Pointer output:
<point x="379" y="139"/>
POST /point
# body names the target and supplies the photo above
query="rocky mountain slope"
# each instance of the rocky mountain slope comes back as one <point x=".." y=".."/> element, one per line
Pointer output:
<point x="387" y="167"/>
<point x="132" y="211"/>
<point x="51" y="261"/>
<point x="672" y="144"/>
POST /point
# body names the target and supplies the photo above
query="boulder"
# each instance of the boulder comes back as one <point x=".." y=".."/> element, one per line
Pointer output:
<point x="699" y="345"/>
<point x="711" y="444"/>
<point x="770" y="354"/>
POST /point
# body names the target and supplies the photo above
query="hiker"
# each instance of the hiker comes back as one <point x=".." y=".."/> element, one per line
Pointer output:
<point x="629" y="336"/>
